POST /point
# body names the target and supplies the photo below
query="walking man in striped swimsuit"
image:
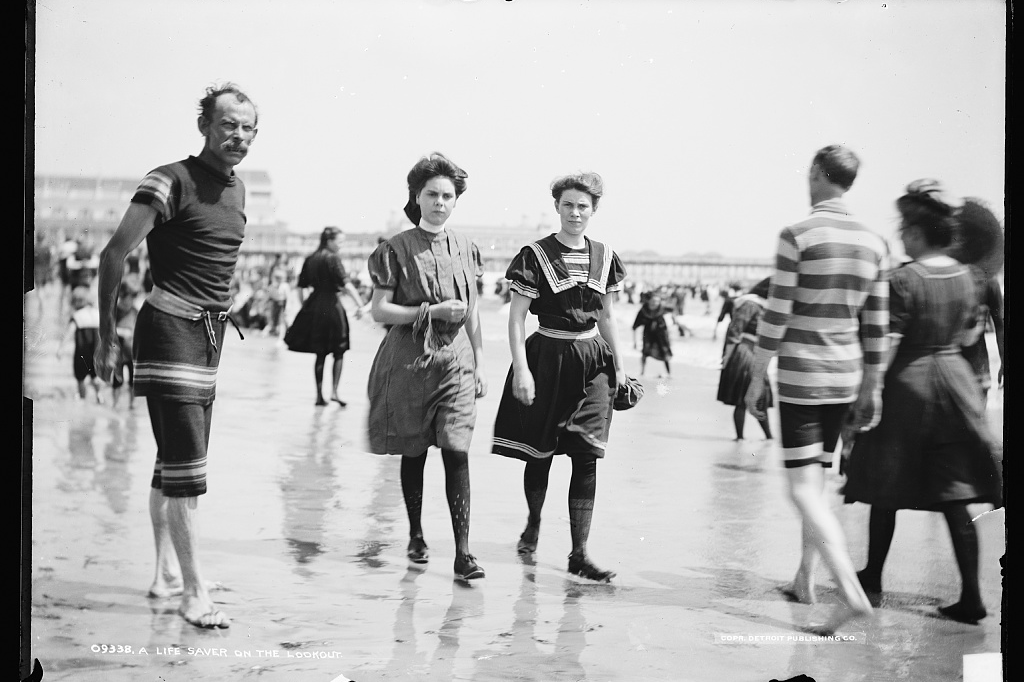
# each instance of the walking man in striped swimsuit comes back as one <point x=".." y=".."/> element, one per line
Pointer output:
<point x="827" y="320"/>
<point x="191" y="214"/>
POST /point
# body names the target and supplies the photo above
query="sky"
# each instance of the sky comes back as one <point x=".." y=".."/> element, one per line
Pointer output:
<point x="701" y="116"/>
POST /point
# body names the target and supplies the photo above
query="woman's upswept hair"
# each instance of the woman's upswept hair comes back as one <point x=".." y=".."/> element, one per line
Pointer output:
<point x="432" y="166"/>
<point x="327" y="235"/>
<point x="926" y="207"/>
<point x="209" y="102"/>
<point x="591" y="183"/>
<point x="979" y="238"/>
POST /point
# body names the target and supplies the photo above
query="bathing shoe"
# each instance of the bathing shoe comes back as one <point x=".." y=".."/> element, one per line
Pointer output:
<point x="417" y="551"/>
<point x="466" y="567"/>
<point x="524" y="546"/>
<point x="582" y="566"/>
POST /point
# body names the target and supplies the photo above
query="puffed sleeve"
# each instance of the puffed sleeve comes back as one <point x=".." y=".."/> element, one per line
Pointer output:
<point x="901" y="301"/>
<point x="616" y="274"/>
<point x="383" y="267"/>
<point x="524" y="275"/>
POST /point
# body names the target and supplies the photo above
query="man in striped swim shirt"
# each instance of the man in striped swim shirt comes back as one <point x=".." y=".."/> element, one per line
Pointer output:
<point x="191" y="214"/>
<point x="827" y="320"/>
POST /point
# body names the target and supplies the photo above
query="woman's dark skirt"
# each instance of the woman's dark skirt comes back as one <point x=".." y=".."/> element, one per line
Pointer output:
<point x="572" y="407"/>
<point x="735" y="378"/>
<point x="321" y="326"/>
<point x="933" y="445"/>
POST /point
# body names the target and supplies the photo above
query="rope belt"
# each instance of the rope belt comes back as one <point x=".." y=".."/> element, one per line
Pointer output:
<point x="175" y="305"/>
<point x="568" y="336"/>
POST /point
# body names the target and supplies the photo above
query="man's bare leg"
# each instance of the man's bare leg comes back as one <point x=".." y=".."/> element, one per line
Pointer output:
<point x="802" y="589"/>
<point x="806" y="487"/>
<point x="196" y="604"/>
<point x="167" y="581"/>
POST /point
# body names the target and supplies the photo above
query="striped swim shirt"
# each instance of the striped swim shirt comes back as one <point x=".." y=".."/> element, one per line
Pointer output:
<point x="828" y="307"/>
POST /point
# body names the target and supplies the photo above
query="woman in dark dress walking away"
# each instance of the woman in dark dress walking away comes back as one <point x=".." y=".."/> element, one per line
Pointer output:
<point x="932" y="448"/>
<point x="321" y="326"/>
<point x="559" y="391"/>
<point x="428" y="372"/>
<point x="738" y="357"/>
<point x="656" y="345"/>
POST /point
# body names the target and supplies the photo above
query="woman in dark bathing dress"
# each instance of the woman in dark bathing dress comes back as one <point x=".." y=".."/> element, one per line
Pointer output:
<point x="321" y="327"/>
<point x="738" y="357"/>
<point x="559" y="391"/>
<point x="932" y="448"/>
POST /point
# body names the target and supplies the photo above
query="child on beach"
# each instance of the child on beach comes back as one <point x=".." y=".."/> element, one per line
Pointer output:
<point x="84" y="325"/>
<point x="127" y="312"/>
<point x="656" y="345"/>
<point x="277" y="299"/>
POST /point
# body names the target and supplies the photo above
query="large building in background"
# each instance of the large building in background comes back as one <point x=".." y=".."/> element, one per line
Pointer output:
<point x="91" y="207"/>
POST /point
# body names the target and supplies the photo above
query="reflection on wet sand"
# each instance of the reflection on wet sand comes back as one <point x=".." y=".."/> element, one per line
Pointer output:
<point x="307" y="487"/>
<point x="411" y="656"/>
<point x="407" y="660"/>
<point x="379" y="514"/>
<point x="115" y="479"/>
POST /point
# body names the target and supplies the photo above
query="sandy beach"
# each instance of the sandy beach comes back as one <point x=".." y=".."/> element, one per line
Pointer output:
<point x="305" y="534"/>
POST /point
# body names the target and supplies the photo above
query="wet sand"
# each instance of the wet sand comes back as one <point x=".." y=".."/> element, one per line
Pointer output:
<point x="307" y="534"/>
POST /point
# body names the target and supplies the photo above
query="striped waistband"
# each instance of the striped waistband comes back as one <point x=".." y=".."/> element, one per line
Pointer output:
<point x="172" y="304"/>
<point x="569" y="336"/>
<point x="175" y="305"/>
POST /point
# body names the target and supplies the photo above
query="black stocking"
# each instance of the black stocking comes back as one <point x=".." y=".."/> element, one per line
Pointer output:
<point x="582" y="490"/>
<point x="881" y="526"/>
<point x="965" y="548"/>
<point x="412" y="490"/>
<point x="456" y="472"/>
<point x="535" y="485"/>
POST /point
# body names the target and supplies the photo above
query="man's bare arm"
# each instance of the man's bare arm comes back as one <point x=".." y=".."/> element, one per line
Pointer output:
<point x="137" y="222"/>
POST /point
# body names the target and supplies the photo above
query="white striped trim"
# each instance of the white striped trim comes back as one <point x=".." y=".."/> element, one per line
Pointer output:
<point x="521" y="447"/>
<point x="175" y="373"/>
<point x="593" y="441"/>
<point x="557" y="285"/>
<point x="806" y="453"/>
<point x="158" y="185"/>
<point x="524" y="290"/>
<point x="571" y="336"/>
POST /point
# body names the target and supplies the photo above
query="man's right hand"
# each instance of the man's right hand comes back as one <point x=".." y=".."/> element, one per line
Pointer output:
<point x="106" y="357"/>
<point x="866" y="411"/>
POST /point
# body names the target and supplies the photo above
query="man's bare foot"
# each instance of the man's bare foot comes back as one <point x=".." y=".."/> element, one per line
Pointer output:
<point x="841" y="616"/>
<point x="801" y="590"/>
<point x="176" y="589"/>
<point x="203" y="614"/>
